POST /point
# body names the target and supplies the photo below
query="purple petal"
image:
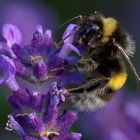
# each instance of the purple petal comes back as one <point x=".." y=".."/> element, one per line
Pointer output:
<point x="21" y="69"/>
<point x="35" y="122"/>
<point x="22" y="96"/>
<point x="51" y="112"/>
<point x="13" y="102"/>
<point x="48" y="34"/>
<point x="12" y="34"/>
<point x="55" y="61"/>
<point x="12" y="83"/>
<point x="42" y="42"/>
<point x="67" y="120"/>
<point x="40" y="69"/>
<point x="43" y="138"/>
<point x="68" y="47"/>
<point x="71" y="28"/>
<point x="13" y="125"/>
<point x="10" y="61"/>
<point x="6" y="50"/>
<point x="8" y="72"/>
<point x="38" y="37"/>
<point x="31" y="123"/>
<point x="18" y="50"/>
<point x="39" y="29"/>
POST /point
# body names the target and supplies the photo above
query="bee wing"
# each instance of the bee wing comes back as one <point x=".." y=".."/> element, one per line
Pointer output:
<point x="126" y="57"/>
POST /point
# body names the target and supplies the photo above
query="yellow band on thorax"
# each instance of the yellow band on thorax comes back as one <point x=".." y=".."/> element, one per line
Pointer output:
<point x="109" y="26"/>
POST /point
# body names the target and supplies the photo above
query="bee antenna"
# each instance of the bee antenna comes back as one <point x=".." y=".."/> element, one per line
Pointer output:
<point x="66" y="22"/>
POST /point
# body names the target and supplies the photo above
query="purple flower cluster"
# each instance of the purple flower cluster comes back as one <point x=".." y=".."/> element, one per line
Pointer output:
<point x="37" y="93"/>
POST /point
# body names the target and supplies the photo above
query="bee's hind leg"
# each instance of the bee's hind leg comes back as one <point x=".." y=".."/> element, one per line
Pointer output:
<point x="91" y="96"/>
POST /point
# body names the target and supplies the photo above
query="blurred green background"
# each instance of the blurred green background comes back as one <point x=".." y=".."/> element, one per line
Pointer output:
<point x="126" y="11"/>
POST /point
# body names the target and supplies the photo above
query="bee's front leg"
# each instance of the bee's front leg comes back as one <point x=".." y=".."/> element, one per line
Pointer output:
<point x="82" y="65"/>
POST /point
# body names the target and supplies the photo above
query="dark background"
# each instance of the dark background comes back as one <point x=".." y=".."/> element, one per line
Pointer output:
<point x="52" y="13"/>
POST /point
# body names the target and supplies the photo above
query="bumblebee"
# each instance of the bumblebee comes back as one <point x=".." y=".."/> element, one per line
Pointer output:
<point x="107" y="46"/>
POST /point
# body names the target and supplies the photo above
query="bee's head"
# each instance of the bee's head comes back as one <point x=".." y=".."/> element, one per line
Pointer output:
<point x="91" y="32"/>
<point x="96" y="29"/>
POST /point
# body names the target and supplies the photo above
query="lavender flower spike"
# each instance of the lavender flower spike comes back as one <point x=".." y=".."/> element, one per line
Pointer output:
<point x="55" y="98"/>
<point x="8" y="72"/>
<point x="36" y="103"/>
<point x="68" y="47"/>
<point x="12" y="34"/>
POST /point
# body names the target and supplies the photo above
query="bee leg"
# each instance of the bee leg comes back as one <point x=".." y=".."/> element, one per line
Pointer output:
<point x="83" y="65"/>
